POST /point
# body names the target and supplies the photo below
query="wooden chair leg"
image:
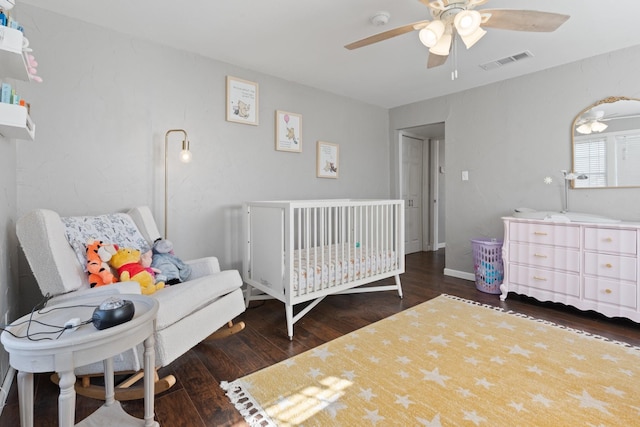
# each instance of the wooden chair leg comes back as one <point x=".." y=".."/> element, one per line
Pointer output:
<point x="125" y="390"/>
<point x="227" y="331"/>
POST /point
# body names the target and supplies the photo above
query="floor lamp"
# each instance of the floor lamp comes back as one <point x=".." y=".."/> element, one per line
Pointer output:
<point x="185" y="157"/>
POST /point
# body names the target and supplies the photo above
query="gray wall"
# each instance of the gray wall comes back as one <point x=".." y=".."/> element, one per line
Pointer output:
<point x="8" y="248"/>
<point x="512" y="134"/>
<point x="102" y="113"/>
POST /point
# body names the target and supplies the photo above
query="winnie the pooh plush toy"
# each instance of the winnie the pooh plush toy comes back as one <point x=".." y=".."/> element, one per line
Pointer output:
<point x="127" y="262"/>
<point x="98" y="254"/>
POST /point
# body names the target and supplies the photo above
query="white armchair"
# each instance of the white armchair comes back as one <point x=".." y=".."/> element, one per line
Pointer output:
<point x="189" y="312"/>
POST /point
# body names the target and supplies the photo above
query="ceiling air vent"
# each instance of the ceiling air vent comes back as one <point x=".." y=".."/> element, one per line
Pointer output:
<point x="492" y="65"/>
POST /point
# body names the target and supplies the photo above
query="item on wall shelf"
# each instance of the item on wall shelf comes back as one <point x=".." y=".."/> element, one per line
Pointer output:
<point x="242" y="101"/>
<point x="185" y="157"/>
<point x="288" y="131"/>
<point x="327" y="160"/>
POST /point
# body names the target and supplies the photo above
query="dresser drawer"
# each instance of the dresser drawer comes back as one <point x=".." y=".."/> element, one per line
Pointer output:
<point x="545" y="256"/>
<point x="611" y="292"/>
<point x="612" y="266"/>
<point x="548" y="280"/>
<point x="545" y="234"/>
<point x="611" y="240"/>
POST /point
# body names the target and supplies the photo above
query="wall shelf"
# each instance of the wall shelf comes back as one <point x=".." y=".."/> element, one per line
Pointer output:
<point x="15" y="122"/>
<point x="13" y="63"/>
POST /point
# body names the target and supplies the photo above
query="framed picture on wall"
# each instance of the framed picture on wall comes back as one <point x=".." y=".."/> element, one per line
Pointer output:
<point x="242" y="101"/>
<point x="288" y="131"/>
<point x="327" y="158"/>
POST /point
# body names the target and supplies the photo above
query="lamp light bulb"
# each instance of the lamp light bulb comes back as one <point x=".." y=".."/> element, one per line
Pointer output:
<point x="185" y="156"/>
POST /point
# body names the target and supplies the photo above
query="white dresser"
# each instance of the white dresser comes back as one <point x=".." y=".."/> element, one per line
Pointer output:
<point x="589" y="266"/>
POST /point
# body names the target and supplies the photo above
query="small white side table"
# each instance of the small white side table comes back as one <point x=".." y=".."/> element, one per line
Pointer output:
<point x="78" y="348"/>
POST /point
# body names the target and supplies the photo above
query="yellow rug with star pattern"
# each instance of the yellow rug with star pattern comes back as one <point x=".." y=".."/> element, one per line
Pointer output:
<point x="449" y="362"/>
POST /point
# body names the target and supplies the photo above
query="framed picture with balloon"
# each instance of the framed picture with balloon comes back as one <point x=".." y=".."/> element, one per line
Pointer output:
<point x="288" y="131"/>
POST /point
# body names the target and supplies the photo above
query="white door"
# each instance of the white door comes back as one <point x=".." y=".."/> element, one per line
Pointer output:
<point x="412" y="173"/>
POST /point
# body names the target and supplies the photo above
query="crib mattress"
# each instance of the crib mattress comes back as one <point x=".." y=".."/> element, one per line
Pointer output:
<point x="327" y="266"/>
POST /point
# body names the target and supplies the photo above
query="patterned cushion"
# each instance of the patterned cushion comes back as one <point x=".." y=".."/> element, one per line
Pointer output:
<point x="116" y="228"/>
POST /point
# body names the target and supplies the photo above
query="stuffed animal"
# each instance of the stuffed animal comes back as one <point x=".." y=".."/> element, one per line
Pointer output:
<point x="127" y="262"/>
<point x="170" y="266"/>
<point x="145" y="261"/>
<point x="98" y="255"/>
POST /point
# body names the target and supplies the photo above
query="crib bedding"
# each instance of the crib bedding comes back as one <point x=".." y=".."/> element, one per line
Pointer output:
<point x="330" y="265"/>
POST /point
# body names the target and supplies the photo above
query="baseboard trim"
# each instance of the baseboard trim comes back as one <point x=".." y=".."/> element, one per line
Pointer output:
<point x="460" y="274"/>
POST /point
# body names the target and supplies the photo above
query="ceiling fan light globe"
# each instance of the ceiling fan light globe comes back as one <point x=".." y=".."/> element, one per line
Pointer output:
<point x="443" y="46"/>
<point x="584" y="129"/>
<point x="467" y="22"/>
<point x="472" y="39"/>
<point x="432" y="33"/>
<point x="597" y="126"/>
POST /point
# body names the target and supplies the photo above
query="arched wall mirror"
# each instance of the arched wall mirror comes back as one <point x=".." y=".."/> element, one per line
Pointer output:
<point x="605" y="145"/>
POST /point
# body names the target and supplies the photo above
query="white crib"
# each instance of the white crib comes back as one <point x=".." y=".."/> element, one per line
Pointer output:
<point x="299" y="251"/>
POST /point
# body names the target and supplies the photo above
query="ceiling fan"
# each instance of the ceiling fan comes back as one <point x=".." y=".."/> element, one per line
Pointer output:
<point x="453" y="18"/>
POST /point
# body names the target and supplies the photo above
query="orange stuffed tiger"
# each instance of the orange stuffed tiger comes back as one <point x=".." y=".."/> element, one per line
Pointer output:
<point x="98" y="254"/>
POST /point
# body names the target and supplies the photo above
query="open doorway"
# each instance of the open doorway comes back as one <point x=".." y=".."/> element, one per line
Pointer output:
<point x="421" y="177"/>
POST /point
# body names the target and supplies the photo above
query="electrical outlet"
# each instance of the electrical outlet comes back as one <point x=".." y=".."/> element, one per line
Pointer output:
<point x="465" y="175"/>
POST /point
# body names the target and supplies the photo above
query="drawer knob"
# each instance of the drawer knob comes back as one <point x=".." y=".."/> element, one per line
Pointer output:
<point x="608" y="265"/>
<point x="539" y="278"/>
<point x="608" y="239"/>
<point x="540" y="255"/>
<point x="539" y="233"/>
<point x="608" y="291"/>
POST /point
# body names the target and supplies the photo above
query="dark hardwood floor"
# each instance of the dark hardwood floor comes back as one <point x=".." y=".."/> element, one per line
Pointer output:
<point x="197" y="400"/>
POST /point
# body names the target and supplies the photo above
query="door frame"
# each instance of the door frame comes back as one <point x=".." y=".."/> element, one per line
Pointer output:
<point x="429" y="209"/>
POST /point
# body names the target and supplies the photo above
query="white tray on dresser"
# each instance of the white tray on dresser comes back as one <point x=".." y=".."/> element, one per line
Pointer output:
<point x="586" y="265"/>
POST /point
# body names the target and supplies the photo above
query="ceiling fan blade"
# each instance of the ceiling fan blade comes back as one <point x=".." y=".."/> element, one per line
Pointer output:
<point x="385" y="35"/>
<point x="524" y="20"/>
<point x="436" y="60"/>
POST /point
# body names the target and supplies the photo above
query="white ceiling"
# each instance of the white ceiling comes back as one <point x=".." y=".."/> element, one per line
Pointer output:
<point x="302" y="40"/>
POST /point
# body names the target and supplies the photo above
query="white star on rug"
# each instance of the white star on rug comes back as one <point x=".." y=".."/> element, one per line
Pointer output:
<point x="373" y="416"/>
<point x="516" y="349"/>
<point x="517" y="406"/>
<point x="474" y="345"/>
<point x="489" y="338"/>
<point x="439" y="339"/>
<point x="404" y="374"/>
<point x="289" y="362"/>
<point x="435" y="376"/>
<point x="366" y="394"/>
<point x="403" y="359"/>
<point x="374" y="359"/>
<point x="321" y="353"/>
<point x="534" y="369"/>
<point x="461" y="334"/>
<point x="614" y="391"/>
<point x="574" y="372"/>
<point x="314" y="372"/>
<point x="541" y="399"/>
<point x="505" y="325"/>
<point x="499" y="360"/>
<point x="484" y="383"/>
<point x="404" y="401"/>
<point x="627" y="372"/>
<point x="587" y="401"/>
<point x="350" y="348"/>
<point x="405" y="338"/>
<point x="350" y="375"/>
<point x="578" y="356"/>
<point x="334" y="407"/>
<point x="610" y="358"/>
<point x="465" y="392"/>
<point x="433" y="353"/>
<point x="435" y="422"/>
<point x="472" y="360"/>
<point x="473" y="417"/>
<point x="541" y="345"/>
